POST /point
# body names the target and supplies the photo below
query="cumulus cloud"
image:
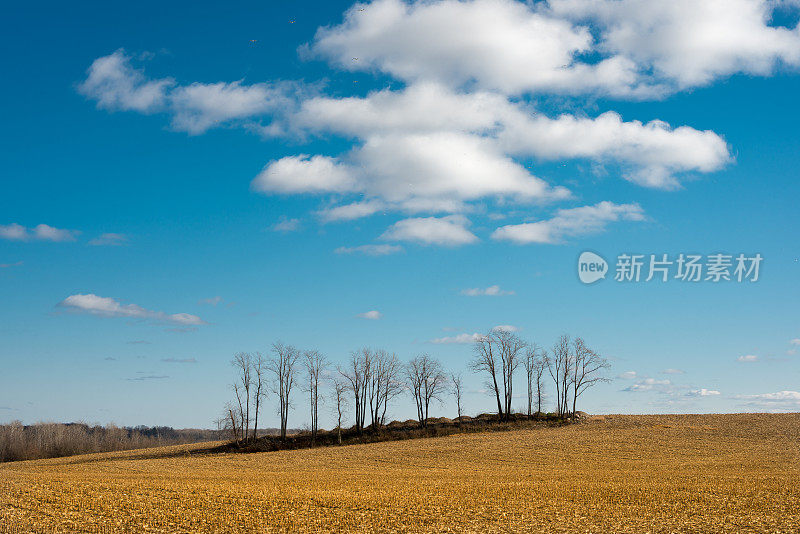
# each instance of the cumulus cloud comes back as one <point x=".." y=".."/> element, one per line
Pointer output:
<point x="652" y="154"/>
<point x="627" y="48"/>
<point x="40" y="232"/>
<point x="461" y="339"/>
<point x="448" y="231"/>
<point x="372" y="315"/>
<point x="371" y="250"/>
<point x="500" y="45"/>
<point x="108" y="307"/>
<point x="573" y="222"/>
<point x="505" y="328"/>
<point x="747" y="358"/>
<point x="354" y="210"/>
<point x="491" y="291"/>
<point x="689" y="43"/>
<point x="109" y="240"/>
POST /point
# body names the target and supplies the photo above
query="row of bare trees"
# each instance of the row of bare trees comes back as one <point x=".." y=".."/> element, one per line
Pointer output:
<point x="571" y="364"/>
<point x="372" y="379"/>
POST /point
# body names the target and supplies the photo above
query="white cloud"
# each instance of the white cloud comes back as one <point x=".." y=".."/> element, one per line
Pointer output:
<point x="7" y="265"/>
<point x="650" y="154"/>
<point x="491" y="291"/>
<point x="349" y="212"/>
<point x="689" y="43"/>
<point x="505" y="328"/>
<point x="40" y="232"/>
<point x="463" y="339"/>
<point x="651" y="384"/>
<point x="116" y="85"/>
<point x="199" y="107"/>
<point x="747" y="358"/>
<point x="447" y="231"/>
<point x="372" y="315"/>
<point x="108" y="307"/>
<point x="636" y="48"/>
<point x="573" y="222"/>
<point x="213" y="301"/>
<point x="109" y="240"/>
<point x="286" y="226"/>
<point x="496" y="44"/>
<point x="702" y="393"/>
<point x="673" y="372"/>
<point x="370" y="250"/>
<point x="305" y="174"/>
<point x="778" y="401"/>
<point x="628" y="375"/>
<point x="795" y="341"/>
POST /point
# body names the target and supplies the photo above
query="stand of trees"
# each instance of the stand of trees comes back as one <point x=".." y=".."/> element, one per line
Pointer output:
<point x="50" y="440"/>
<point x="371" y="380"/>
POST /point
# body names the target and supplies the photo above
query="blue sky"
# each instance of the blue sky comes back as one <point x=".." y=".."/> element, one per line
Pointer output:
<point x="182" y="182"/>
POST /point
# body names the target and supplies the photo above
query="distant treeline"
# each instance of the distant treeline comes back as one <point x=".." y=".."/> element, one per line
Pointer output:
<point x="49" y="440"/>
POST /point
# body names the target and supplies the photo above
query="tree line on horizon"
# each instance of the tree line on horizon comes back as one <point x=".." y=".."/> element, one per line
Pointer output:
<point x="370" y="380"/>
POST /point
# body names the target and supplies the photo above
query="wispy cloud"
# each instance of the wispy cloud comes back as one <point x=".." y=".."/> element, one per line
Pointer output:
<point x="573" y="222"/>
<point x="109" y="240"/>
<point x="285" y="226"/>
<point x="703" y="392"/>
<point x="491" y="291"/>
<point x="778" y="401"/>
<point x="212" y="301"/>
<point x="179" y="360"/>
<point x="147" y="377"/>
<point x="108" y="307"/>
<point x="370" y="250"/>
<point x="747" y="358"/>
<point x="41" y="232"/>
<point x="8" y="265"/>
<point x="461" y="339"/>
<point x="372" y="315"/>
<point x="673" y="372"/>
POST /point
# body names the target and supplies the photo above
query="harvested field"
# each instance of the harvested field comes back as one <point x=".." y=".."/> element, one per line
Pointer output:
<point x="678" y="473"/>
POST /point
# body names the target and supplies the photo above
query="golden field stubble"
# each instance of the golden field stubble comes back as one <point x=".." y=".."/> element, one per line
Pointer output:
<point x="715" y="473"/>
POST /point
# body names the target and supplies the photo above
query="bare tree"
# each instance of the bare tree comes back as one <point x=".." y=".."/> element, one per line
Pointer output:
<point x="232" y="421"/>
<point x="510" y="346"/>
<point x="384" y="384"/>
<point x="315" y="364"/>
<point x="560" y="366"/>
<point x="588" y="367"/>
<point x="456" y="382"/>
<point x="540" y="363"/>
<point x="243" y="362"/>
<point x="487" y="361"/>
<point x="530" y="370"/>
<point x="260" y="370"/>
<point x="283" y="367"/>
<point x="239" y="411"/>
<point x="358" y="374"/>
<point x="340" y="389"/>
<point x="427" y="382"/>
